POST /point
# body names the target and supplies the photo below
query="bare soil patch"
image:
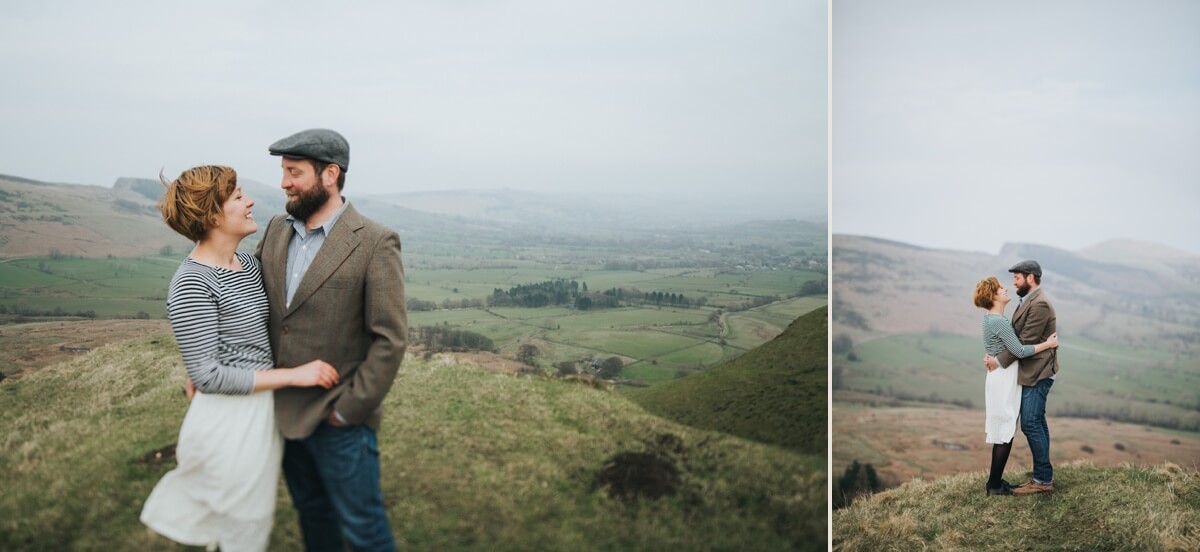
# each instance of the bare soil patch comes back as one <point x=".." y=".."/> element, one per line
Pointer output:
<point x="928" y="442"/>
<point x="27" y="347"/>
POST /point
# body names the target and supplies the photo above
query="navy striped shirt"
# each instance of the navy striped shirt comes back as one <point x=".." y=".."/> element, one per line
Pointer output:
<point x="219" y="317"/>
<point x="998" y="335"/>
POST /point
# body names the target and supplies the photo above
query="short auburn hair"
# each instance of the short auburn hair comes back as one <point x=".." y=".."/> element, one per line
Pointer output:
<point x="192" y="204"/>
<point x="985" y="292"/>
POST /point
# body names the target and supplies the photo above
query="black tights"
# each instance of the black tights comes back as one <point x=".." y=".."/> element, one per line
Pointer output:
<point x="999" y="459"/>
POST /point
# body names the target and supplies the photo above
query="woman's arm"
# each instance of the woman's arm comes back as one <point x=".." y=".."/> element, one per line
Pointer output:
<point x="317" y="373"/>
<point x="1003" y="329"/>
<point x="193" y="313"/>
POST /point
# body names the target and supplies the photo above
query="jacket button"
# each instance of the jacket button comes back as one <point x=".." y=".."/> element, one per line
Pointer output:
<point x="284" y="330"/>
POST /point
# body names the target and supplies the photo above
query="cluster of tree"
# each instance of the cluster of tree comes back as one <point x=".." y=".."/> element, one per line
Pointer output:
<point x="542" y="294"/>
<point x="58" y="311"/>
<point x="1125" y="414"/>
<point x="443" y="338"/>
<point x="756" y="301"/>
<point x="609" y="368"/>
<point x="932" y="397"/>
<point x="814" y="287"/>
<point x="418" y="305"/>
<point x="859" y="479"/>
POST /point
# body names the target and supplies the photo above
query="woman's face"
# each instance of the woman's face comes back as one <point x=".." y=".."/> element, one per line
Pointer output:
<point x="1002" y="296"/>
<point x="236" y="218"/>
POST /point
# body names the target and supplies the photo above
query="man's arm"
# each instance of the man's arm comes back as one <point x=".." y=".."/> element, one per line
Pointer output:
<point x="386" y="321"/>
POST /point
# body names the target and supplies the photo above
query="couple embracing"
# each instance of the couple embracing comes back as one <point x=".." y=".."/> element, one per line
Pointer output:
<point x="289" y="353"/>
<point x="1022" y="363"/>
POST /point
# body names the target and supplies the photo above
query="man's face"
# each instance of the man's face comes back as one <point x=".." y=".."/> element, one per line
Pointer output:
<point x="305" y="190"/>
<point x="1023" y="282"/>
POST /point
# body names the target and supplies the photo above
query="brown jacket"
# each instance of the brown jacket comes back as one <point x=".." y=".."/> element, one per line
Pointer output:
<point x="348" y="311"/>
<point x="1034" y="321"/>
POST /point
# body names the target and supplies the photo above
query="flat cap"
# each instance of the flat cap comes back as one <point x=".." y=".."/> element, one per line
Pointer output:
<point x="1028" y="267"/>
<point x="320" y="144"/>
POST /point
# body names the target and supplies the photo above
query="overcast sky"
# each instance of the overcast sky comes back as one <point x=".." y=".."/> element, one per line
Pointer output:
<point x="966" y="125"/>
<point x="725" y="101"/>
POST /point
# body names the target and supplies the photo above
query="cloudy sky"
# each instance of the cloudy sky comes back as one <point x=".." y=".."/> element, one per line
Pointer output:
<point x="966" y="125"/>
<point x="723" y="101"/>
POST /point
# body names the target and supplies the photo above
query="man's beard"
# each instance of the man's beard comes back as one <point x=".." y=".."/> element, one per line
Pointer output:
<point x="1022" y="290"/>
<point x="306" y="203"/>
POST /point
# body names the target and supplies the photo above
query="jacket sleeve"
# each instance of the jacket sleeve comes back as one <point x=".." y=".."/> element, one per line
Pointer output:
<point x="386" y="322"/>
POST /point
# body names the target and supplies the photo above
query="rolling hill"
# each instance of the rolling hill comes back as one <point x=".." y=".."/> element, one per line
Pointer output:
<point x="907" y="372"/>
<point x="471" y="460"/>
<point x="1120" y="292"/>
<point x="775" y="393"/>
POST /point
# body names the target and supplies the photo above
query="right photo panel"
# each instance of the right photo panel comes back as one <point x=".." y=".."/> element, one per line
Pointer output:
<point x="1016" y="275"/>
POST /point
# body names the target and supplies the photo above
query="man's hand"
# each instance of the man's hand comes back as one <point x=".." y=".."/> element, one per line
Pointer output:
<point x="990" y="362"/>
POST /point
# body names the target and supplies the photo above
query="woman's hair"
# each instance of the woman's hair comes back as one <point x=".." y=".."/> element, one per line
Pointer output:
<point x="985" y="291"/>
<point x="192" y="204"/>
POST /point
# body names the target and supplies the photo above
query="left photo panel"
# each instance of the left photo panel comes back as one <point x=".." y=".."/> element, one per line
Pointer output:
<point x="498" y="276"/>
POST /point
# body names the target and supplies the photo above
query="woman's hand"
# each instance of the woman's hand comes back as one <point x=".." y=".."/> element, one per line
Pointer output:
<point x="1052" y="341"/>
<point x="317" y="373"/>
<point x="189" y="389"/>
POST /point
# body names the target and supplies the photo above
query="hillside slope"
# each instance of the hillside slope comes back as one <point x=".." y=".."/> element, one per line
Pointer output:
<point x="1133" y="295"/>
<point x="775" y="393"/>
<point x="1122" y="508"/>
<point x="471" y="460"/>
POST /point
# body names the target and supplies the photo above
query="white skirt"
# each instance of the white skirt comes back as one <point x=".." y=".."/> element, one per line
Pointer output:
<point x="1002" y="403"/>
<point x="223" y="491"/>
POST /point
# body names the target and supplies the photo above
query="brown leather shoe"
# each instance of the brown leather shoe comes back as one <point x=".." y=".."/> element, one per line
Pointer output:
<point x="1033" y="487"/>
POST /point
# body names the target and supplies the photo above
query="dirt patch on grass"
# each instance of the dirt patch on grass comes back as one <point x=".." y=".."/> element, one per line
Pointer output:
<point x="158" y="457"/>
<point x="629" y="476"/>
<point x="906" y="442"/>
<point x="27" y="347"/>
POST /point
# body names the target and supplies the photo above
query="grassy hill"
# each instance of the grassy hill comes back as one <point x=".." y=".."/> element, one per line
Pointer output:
<point x="471" y="461"/>
<point x="775" y="393"/>
<point x="1123" y="508"/>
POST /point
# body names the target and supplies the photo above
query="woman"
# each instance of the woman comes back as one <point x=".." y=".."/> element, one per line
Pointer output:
<point x="1002" y="395"/>
<point x="223" y="491"/>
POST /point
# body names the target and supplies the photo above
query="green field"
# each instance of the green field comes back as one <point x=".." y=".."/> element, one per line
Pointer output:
<point x="1096" y="378"/>
<point x="657" y="343"/>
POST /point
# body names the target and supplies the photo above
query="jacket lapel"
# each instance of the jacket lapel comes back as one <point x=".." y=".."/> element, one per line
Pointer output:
<point x="275" y="251"/>
<point x="342" y="240"/>
<point x="1018" y="319"/>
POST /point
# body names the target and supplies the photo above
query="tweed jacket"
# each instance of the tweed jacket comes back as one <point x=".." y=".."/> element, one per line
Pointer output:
<point x="348" y="310"/>
<point x="1034" y="321"/>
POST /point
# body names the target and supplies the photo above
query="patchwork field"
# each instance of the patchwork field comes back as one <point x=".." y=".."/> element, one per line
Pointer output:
<point x="657" y="343"/>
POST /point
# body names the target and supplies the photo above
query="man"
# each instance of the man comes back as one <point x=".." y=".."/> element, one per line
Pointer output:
<point x="335" y="284"/>
<point x="1034" y="322"/>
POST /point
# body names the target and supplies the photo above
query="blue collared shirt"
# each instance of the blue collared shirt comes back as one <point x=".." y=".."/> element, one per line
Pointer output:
<point x="303" y="247"/>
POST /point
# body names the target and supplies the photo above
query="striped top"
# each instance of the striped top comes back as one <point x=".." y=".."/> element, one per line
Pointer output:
<point x="219" y="318"/>
<point x="998" y="335"/>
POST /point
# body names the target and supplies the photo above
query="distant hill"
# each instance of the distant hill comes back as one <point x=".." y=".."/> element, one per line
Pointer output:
<point x="775" y="393"/>
<point x="471" y="460"/>
<point x="1120" y="292"/>
<point x="1123" y="508"/>
<point x="37" y="218"/>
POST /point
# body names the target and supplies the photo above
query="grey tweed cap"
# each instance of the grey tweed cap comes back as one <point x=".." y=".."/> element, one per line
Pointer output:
<point x="320" y="144"/>
<point x="1028" y="267"/>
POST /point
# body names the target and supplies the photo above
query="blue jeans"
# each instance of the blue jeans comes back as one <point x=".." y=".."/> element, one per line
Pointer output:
<point x="333" y="477"/>
<point x="1033" y="425"/>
